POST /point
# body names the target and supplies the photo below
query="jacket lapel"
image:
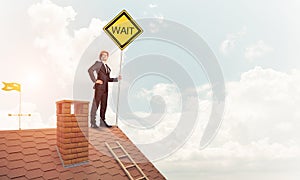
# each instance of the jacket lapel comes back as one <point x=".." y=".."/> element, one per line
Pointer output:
<point x="108" y="69"/>
<point x="103" y="68"/>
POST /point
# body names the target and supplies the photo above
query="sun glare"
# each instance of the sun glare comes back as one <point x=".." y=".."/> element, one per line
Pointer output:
<point x="32" y="79"/>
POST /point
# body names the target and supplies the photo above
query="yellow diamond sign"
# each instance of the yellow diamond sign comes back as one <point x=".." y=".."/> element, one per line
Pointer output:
<point x="123" y="29"/>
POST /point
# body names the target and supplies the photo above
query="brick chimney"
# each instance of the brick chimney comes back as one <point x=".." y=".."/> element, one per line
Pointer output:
<point x="72" y="132"/>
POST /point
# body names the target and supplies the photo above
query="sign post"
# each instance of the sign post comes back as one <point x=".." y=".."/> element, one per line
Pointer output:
<point x="122" y="30"/>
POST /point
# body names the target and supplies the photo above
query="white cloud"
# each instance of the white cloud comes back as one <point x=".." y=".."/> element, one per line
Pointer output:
<point x="152" y="5"/>
<point x="155" y="25"/>
<point x="172" y="98"/>
<point x="259" y="131"/>
<point x="61" y="49"/>
<point x="257" y="50"/>
<point x="50" y="19"/>
<point x="229" y="44"/>
<point x="160" y="17"/>
<point x="169" y="92"/>
<point x="151" y="135"/>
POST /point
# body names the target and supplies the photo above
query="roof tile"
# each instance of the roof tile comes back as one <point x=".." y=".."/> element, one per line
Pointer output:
<point x="110" y="165"/>
<point x="120" y="177"/>
<point x="94" y="157"/>
<point x="76" y="169"/>
<point x="3" y="154"/>
<point x="28" y="151"/>
<point x="101" y="170"/>
<point x="38" y="135"/>
<point x="52" y="142"/>
<point x="3" y="170"/>
<point x="105" y="159"/>
<point x="105" y="176"/>
<point x="50" y="137"/>
<point x="44" y="152"/>
<point x="46" y="159"/>
<point x="3" y="162"/>
<point x="80" y="175"/>
<point x="49" y="132"/>
<point x="29" y="144"/>
<point x="41" y="146"/>
<point x="93" y="176"/>
<point x="66" y="175"/>
<point x="35" y="156"/>
<point x="40" y="140"/>
<point x="34" y="174"/>
<point x="56" y="160"/>
<point x="115" y="171"/>
<point x="3" y="146"/>
<point x="2" y="140"/>
<point x="25" y="133"/>
<point x="14" y="156"/>
<point x="51" y="174"/>
<point x="12" y="136"/>
<point x="3" y="135"/>
<point x="33" y="165"/>
<point x="14" y="142"/>
<point x="89" y="169"/>
<point x="97" y="164"/>
<point x="31" y="157"/>
<point x="4" y="178"/>
<point x="13" y="149"/>
<point x="27" y="139"/>
<point x="17" y="173"/>
<point x="60" y="169"/>
<point x="134" y="172"/>
<point x="15" y="164"/>
<point x="48" y="166"/>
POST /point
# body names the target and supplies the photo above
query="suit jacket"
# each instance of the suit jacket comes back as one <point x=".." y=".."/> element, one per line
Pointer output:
<point x="101" y="75"/>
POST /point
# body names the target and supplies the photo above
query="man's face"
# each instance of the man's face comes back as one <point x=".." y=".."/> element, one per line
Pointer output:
<point x="104" y="57"/>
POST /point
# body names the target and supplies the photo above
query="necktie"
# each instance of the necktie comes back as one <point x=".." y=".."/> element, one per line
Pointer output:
<point x="105" y="68"/>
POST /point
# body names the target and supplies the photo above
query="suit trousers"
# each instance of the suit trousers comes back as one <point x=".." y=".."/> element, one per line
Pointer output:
<point x="100" y="98"/>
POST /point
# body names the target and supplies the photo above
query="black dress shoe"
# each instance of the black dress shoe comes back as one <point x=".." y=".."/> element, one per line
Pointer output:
<point x="94" y="126"/>
<point x="104" y="124"/>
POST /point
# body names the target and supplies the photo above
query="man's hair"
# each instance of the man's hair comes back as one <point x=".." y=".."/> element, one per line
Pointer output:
<point x="102" y="52"/>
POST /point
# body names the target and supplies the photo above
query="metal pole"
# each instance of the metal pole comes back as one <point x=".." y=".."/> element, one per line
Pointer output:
<point x="119" y="84"/>
<point x="20" y="111"/>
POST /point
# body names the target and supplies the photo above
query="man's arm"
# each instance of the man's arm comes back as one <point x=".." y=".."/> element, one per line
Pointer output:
<point x="95" y="67"/>
<point x="113" y="80"/>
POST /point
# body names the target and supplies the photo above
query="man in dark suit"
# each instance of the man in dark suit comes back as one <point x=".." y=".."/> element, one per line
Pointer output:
<point x="101" y="88"/>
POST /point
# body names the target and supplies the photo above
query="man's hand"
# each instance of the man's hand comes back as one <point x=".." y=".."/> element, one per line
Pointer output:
<point x="99" y="82"/>
<point x="119" y="77"/>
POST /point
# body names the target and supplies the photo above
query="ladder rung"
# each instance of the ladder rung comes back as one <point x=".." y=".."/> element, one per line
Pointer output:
<point x="143" y="177"/>
<point x="130" y="166"/>
<point x="116" y="147"/>
<point x="125" y="155"/>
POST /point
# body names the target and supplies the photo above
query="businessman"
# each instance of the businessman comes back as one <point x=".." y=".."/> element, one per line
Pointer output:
<point x="101" y="88"/>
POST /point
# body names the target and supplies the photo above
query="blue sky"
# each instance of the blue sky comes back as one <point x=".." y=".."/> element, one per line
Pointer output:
<point x="213" y="20"/>
<point x="256" y="44"/>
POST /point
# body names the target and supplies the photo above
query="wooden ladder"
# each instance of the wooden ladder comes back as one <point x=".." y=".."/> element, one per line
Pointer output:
<point x="125" y="168"/>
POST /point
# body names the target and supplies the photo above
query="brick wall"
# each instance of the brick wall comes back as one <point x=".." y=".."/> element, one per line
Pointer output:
<point x="72" y="131"/>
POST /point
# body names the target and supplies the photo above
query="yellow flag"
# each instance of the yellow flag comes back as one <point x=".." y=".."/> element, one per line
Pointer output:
<point x="11" y="86"/>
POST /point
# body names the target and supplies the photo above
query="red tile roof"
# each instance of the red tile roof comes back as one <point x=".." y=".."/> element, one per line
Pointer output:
<point x="29" y="154"/>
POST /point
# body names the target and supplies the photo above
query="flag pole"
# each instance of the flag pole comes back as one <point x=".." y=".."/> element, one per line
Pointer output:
<point x="119" y="84"/>
<point x="20" y="110"/>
